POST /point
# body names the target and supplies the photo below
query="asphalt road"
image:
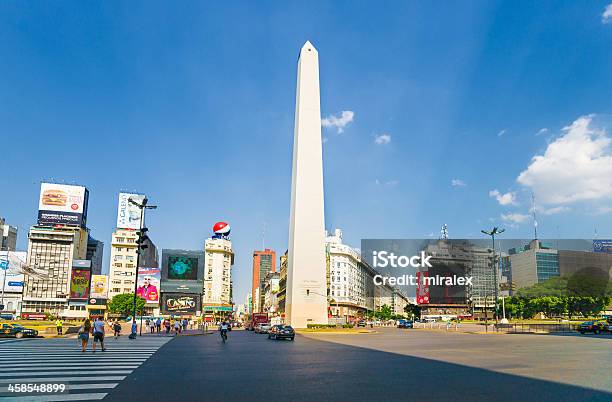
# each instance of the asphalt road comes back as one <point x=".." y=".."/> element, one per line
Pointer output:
<point x="392" y="365"/>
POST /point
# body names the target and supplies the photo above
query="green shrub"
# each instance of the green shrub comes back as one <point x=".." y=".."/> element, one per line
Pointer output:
<point x="316" y="326"/>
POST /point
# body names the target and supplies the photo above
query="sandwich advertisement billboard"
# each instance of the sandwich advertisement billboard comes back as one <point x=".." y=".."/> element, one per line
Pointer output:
<point x="128" y="214"/>
<point x="148" y="284"/>
<point x="62" y="204"/>
<point x="99" y="286"/>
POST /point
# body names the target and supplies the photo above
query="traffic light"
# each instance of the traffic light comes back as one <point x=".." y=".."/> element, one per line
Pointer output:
<point x="142" y="239"/>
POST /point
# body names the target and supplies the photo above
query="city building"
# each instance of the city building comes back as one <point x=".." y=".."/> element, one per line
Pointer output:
<point x="264" y="262"/>
<point x="122" y="271"/>
<point x="537" y="262"/>
<point x="8" y="242"/>
<point x="533" y="263"/>
<point x="457" y="258"/>
<point x="351" y="290"/>
<point x="11" y="286"/>
<point x="270" y="292"/>
<point x="282" y="285"/>
<point x="95" y="251"/>
<point x="47" y="282"/>
<point x="219" y="259"/>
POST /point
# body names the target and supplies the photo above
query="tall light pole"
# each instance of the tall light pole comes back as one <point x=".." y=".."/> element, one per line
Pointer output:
<point x="4" y="265"/>
<point x="142" y="238"/>
<point x="492" y="233"/>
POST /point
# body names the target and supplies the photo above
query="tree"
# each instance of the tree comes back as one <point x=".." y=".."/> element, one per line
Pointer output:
<point x="412" y="310"/>
<point x="124" y="304"/>
<point x="384" y="313"/>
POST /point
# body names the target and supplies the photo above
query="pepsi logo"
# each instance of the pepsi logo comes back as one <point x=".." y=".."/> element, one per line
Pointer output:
<point x="221" y="228"/>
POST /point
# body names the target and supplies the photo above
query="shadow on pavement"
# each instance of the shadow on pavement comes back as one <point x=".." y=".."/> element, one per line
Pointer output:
<point x="249" y="367"/>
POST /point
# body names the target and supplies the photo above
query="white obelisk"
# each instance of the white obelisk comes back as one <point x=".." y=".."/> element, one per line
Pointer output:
<point x="306" y="300"/>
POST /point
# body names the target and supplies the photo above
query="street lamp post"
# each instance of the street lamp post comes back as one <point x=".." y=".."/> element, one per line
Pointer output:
<point x="4" y="265"/>
<point x="142" y="238"/>
<point x="492" y="233"/>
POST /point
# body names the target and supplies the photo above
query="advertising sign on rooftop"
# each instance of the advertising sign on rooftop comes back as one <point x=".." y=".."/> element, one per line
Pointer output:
<point x="62" y="204"/>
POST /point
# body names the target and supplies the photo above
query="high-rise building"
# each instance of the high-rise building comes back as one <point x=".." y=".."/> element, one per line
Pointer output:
<point x="95" y="251"/>
<point x="264" y="262"/>
<point x="51" y="251"/>
<point x="351" y="287"/>
<point x="8" y="233"/>
<point x="122" y="272"/>
<point x="218" y="261"/>
<point x="534" y="263"/>
<point x="306" y="298"/>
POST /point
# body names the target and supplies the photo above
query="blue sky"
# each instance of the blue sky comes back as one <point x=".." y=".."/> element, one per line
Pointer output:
<point x="202" y="96"/>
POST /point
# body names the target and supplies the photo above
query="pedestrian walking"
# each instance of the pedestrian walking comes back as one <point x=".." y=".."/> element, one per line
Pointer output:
<point x="84" y="334"/>
<point x="158" y="324"/>
<point x="167" y="325"/>
<point x="185" y="324"/>
<point x="177" y="327"/>
<point x="59" y="325"/>
<point x="98" y="333"/>
<point x="117" y="328"/>
<point x="134" y="329"/>
<point x="152" y="326"/>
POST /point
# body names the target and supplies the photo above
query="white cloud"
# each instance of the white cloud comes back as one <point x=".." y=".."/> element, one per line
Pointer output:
<point x="458" y="183"/>
<point x="502" y="132"/>
<point x="508" y="198"/>
<point x="553" y="210"/>
<point x="602" y="211"/>
<point x="324" y="140"/>
<point x="577" y="166"/>
<point x="389" y="183"/>
<point x="515" y="217"/>
<point x="382" y="139"/>
<point x="339" y="122"/>
<point x="606" y="17"/>
<point x="542" y="131"/>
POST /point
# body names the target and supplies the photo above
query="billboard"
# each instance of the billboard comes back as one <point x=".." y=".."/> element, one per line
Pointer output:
<point x="149" y="284"/>
<point x="99" y="286"/>
<point x="80" y="280"/>
<point x="61" y="204"/>
<point x="128" y="215"/>
<point x="11" y="265"/>
<point x="182" y="267"/>
<point x="602" y="246"/>
<point x="182" y="271"/>
<point x="181" y="303"/>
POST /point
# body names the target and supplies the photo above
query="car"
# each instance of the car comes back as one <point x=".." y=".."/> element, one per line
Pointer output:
<point x="18" y="331"/>
<point x="405" y="324"/>
<point x="262" y="328"/>
<point x="591" y="326"/>
<point x="281" y="332"/>
<point x="361" y="323"/>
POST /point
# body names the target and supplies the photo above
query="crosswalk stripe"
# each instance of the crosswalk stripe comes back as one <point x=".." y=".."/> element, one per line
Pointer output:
<point x="46" y="374"/>
<point x="86" y="374"/>
<point x="60" y="379"/>
<point x="79" y="367"/>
